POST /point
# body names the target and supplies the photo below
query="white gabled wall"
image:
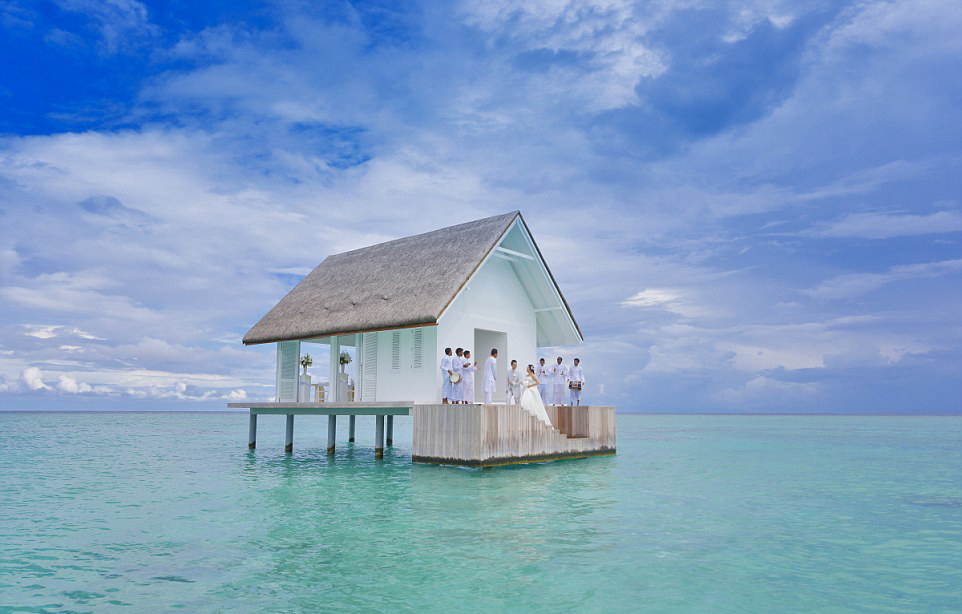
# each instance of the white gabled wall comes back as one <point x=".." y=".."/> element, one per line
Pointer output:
<point x="399" y="378"/>
<point x="493" y="300"/>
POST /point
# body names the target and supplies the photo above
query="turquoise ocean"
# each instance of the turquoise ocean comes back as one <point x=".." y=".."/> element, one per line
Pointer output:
<point x="169" y="512"/>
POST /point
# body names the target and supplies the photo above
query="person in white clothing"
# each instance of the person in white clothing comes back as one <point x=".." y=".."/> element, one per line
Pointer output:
<point x="446" y="376"/>
<point x="541" y="374"/>
<point x="576" y="382"/>
<point x="515" y="381"/>
<point x="468" y="373"/>
<point x="531" y="400"/>
<point x="559" y="382"/>
<point x="457" y="366"/>
<point x="490" y="376"/>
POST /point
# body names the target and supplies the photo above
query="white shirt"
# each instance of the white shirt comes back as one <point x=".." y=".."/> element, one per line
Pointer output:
<point x="543" y="375"/>
<point x="457" y="364"/>
<point x="576" y="374"/>
<point x="560" y="372"/>
<point x="514" y="379"/>
<point x="490" y="374"/>
<point x="445" y="365"/>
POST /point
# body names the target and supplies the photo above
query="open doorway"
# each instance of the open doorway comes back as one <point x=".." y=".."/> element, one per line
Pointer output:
<point x="484" y="342"/>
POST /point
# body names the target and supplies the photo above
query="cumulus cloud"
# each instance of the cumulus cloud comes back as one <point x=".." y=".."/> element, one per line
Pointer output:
<point x="67" y="384"/>
<point x="32" y="378"/>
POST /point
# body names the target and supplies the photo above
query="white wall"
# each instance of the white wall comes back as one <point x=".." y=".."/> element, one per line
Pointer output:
<point x="407" y="382"/>
<point x="494" y="300"/>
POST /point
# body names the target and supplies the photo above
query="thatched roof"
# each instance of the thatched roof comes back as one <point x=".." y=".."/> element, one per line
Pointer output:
<point x="402" y="283"/>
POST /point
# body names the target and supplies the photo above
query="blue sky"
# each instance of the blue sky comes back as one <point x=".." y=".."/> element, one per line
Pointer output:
<point x="751" y="206"/>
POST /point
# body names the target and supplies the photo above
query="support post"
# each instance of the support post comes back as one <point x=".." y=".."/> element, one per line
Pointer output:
<point x="379" y="438"/>
<point x="289" y="439"/>
<point x="331" y="432"/>
<point x="252" y="432"/>
<point x="350" y="435"/>
<point x="390" y="430"/>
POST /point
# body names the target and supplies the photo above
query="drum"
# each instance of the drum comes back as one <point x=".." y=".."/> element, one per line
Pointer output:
<point x="575" y="385"/>
<point x="455" y="378"/>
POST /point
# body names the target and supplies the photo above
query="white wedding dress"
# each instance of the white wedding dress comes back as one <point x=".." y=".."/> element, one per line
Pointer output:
<point x="531" y="401"/>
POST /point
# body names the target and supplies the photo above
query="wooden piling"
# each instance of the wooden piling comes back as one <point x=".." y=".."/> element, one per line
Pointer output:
<point x="379" y="437"/>
<point x="289" y="439"/>
<point x="252" y="432"/>
<point x="331" y="432"/>
<point x="350" y="434"/>
<point x="390" y="431"/>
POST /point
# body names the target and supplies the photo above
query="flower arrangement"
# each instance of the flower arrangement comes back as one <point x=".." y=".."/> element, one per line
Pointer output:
<point x="306" y="361"/>
<point x="345" y="358"/>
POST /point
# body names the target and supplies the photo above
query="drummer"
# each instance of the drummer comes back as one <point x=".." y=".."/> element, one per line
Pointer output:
<point x="576" y="382"/>
<point x="457" y="367"/>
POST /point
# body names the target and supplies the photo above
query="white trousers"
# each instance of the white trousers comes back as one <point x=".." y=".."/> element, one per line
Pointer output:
<point x="559" y="395"/>
<point x="514" y="395"/>
<point x="575" y="396"/>
<point x="542" y="390"/>
<point x="489" y="396"/>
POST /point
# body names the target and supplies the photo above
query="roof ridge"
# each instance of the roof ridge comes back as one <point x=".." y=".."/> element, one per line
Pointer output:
<point x="516" y="213"/>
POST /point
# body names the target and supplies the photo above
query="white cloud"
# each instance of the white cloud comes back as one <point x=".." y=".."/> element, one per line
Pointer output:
<point x="51" y="331"/>
<point x="122" y="23"/>
<point x="855" y="284"/>
<point x="32" y="377"/>
<point x="674" y="301"/>
<point x="67" y="384"/>
<point x="888" y="225"/>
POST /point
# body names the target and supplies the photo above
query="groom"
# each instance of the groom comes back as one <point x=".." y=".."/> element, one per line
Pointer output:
<point x="490" y="376"/>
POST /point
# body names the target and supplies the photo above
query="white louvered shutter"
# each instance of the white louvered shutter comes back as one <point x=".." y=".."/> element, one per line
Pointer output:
<point x="288" y="353"/>
<point x="369" y="373"/>
<point x="417" y="349"/>
<point x="396" y="350"/>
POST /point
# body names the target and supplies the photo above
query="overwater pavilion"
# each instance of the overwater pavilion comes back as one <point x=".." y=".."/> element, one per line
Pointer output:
<point x="397" y="305"/>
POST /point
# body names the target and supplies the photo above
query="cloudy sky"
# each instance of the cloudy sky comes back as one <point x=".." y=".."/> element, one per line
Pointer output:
<point x="752" y="206"/>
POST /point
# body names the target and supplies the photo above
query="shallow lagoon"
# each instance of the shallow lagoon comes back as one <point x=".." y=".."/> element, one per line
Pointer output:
<point x="159" y="512"/>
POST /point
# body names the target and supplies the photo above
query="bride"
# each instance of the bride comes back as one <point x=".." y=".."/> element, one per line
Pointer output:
<point x="530" y="399"/>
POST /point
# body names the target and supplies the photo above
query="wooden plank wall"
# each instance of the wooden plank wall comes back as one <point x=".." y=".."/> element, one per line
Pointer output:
<point x="501" y="434"/>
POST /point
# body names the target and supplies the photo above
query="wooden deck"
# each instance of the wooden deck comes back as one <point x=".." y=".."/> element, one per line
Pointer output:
<point x="471" y="435"/>
<point x="492" y="435"/>
<point x="402" y="408"/>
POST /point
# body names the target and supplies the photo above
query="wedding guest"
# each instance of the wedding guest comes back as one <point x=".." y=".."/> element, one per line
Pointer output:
<point x="468" y="372"/>
<point x="446" y="376"/>
<point x="491" y="376"/>
<point x="576" y="382"/>
<point x="542" y="376"/>
<point x="559" y="375"/>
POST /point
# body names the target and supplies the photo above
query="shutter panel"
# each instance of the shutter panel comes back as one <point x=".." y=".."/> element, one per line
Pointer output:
<point x="417" y="349"/>
<point x="288" y="353"/>
<point x="369" y="375"/>
<point x="396" y="350"/>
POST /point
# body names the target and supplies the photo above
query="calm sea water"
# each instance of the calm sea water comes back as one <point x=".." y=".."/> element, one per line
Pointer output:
<point x="140" y="512"/>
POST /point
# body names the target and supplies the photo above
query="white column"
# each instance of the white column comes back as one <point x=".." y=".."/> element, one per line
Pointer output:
<point x="252" y="432"/>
